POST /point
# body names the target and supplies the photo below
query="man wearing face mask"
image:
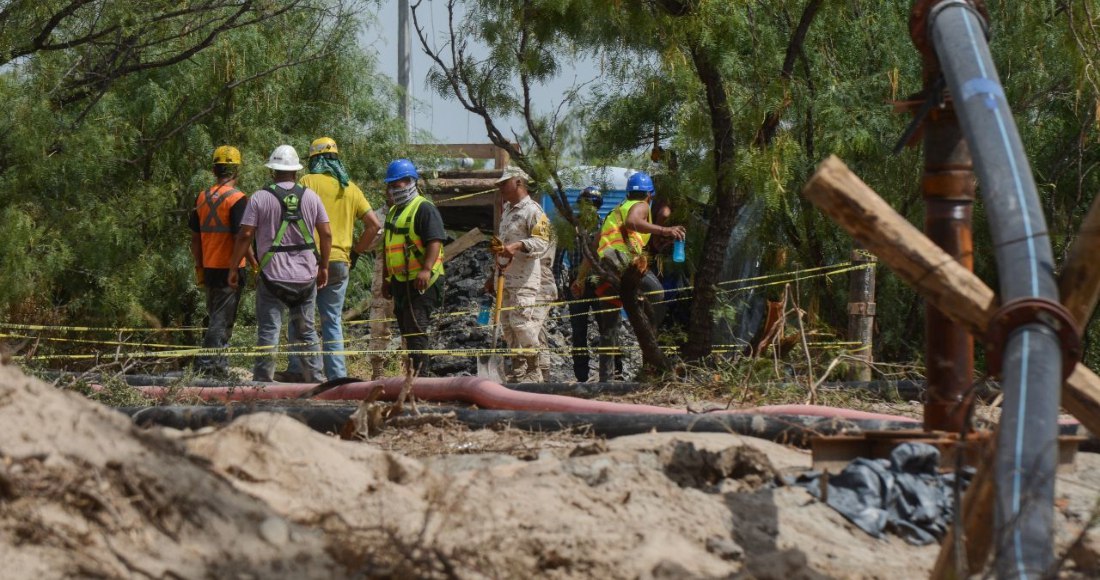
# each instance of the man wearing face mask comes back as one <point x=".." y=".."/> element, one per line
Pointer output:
<point x="413" y="274"/>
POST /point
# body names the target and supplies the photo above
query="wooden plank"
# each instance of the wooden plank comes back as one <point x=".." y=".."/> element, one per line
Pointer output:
<point x="464" y="183"/>
<point x="977" y="521"/>
<point x="445" y="201"/>
<point x="472" y="150"/>
<point x="1080" y="279"/>
<point x="493" y="174"/>
<point x="941" y="280"/>
<point x="463" y="243"/>
<point x="935" y="275"/>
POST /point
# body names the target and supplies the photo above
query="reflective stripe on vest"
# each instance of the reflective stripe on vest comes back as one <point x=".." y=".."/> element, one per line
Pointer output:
<point x="213" y="207"/>
<point x="404" y="249"/>
<point x="614" y="233"/>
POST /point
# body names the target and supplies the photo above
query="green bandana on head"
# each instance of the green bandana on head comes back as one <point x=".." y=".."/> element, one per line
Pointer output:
<point x="333" y="167"/>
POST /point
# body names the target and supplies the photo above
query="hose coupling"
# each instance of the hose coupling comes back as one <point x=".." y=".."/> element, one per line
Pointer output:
<point x="1016" y="313"/>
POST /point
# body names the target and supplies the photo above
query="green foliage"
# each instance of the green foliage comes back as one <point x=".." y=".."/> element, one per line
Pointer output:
<point x="857" y="57"/>
<point x="95" y="193"/>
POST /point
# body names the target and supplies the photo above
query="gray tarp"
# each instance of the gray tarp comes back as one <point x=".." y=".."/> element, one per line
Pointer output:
<point x="905" y="494"/>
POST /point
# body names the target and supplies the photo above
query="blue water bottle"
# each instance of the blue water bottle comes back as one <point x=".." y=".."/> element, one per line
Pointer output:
<point x="486" y="310"/>
<point x="678" y="251"/>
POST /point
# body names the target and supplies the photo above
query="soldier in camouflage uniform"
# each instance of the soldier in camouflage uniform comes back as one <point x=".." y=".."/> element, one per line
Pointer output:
<point x="524" y="241"/>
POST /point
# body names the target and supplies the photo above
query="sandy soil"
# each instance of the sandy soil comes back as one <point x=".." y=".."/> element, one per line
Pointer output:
<point x="84" y="494"/>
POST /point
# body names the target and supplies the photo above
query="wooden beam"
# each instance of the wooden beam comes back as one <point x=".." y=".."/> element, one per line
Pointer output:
<point x="941" y="280"/>
<point x="493" y="174"/>
<point x="1080" y="279"/>
<point x="463" y="243"/>
<point x="936" y="276"/>
<point x="463" y="185"/>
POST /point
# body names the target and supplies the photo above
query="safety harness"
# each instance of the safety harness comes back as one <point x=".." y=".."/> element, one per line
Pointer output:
<point x="291" y="294"/>
<point x="290" y="200"/>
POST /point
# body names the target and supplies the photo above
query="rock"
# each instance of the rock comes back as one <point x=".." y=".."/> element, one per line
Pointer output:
<point x="275" y="531"/>
<point x="725" y="548"/>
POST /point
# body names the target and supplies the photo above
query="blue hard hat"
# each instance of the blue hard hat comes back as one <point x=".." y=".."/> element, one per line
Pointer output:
<point x="400" y="169"/>
<point x="640" y="181"/>
<point x="593" y="195"/>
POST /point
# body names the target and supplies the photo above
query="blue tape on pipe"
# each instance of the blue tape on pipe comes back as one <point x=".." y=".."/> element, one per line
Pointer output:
<point x="988" y="89"/>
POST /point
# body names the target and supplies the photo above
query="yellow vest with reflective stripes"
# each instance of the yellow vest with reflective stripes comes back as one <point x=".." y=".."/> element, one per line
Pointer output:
<point x="614" y="235"/>
<point x="404" y="249"/>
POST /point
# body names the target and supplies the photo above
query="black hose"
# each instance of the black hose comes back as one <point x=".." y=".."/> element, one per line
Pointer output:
<point x="1032" y="367"/>
<point x="787" y="429"/>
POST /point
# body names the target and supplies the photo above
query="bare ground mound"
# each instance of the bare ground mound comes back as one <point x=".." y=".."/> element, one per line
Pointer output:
<point x="82" y="493"/>
<point x="85" y="494"/>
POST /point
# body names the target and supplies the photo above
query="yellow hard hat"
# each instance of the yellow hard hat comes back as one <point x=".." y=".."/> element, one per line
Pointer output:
<point x="322" y="145"/>
<point x="227" y="155"/>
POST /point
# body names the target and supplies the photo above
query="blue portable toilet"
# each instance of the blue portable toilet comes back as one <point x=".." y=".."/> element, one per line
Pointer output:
<point x="611" y="180"/>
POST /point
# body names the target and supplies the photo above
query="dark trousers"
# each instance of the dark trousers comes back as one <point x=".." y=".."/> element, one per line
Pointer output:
<point x="221" y="306"/>
<point x="580" y="315"/>
<point x="413" y="311"/>
<point x="610" y="324"/>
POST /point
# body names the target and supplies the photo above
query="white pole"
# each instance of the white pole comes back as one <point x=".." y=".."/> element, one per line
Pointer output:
<point x="404" y="64"/>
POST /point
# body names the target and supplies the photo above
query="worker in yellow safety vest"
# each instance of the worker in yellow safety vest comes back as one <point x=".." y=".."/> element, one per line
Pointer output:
<point x="413" y="274"/>
<point x="625" y="233"/>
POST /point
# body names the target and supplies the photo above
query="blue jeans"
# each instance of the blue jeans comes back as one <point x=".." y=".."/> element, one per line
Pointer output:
<point x="300" y="331"/>
<point x="330" y="304"/>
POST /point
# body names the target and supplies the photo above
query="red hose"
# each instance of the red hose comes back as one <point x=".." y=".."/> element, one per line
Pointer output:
<point x="485" y="394"/>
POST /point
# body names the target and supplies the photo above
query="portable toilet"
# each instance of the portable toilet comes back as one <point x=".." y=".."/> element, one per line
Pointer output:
<point x="610" y="180"/>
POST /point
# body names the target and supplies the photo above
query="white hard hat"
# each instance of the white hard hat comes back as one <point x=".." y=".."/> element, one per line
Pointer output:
<point x="284" y="158"/>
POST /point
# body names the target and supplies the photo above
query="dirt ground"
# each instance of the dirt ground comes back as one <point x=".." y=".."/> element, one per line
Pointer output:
<point x="85" y="494"/>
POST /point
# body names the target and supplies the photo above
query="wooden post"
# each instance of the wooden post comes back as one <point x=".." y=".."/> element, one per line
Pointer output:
<point x="861" y="313"/>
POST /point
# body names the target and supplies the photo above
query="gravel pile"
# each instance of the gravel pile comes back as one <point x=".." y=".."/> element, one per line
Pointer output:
<point x="456" y="324"/>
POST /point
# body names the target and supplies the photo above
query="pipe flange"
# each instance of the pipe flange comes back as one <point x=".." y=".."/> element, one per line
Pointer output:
<point x="1016" y="313"/>
<point x="925" y="11"/>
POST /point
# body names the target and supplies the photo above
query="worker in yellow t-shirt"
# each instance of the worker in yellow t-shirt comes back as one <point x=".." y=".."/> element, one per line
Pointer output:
<point x="345" y="204"/>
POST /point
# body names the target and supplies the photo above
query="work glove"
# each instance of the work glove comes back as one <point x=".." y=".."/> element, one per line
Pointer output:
<point x="354" y="259"/>
<point x="200" y="277"/>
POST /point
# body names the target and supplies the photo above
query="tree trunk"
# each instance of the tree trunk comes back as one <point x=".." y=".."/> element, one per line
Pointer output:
<point x="729" y="200"/>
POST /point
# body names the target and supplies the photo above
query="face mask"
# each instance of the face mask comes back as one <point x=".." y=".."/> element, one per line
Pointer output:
<point x="403" y="195"/>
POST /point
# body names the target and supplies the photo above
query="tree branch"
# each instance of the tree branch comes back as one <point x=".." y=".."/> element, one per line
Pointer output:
<point x="766" y="133"/>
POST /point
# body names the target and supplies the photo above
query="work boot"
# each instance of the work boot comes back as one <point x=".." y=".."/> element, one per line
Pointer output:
<point x="289" y="377"/>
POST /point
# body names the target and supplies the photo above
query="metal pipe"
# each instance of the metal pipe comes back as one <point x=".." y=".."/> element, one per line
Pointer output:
<point x="1032" y="353"/>
<point x="948" y="189"/>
